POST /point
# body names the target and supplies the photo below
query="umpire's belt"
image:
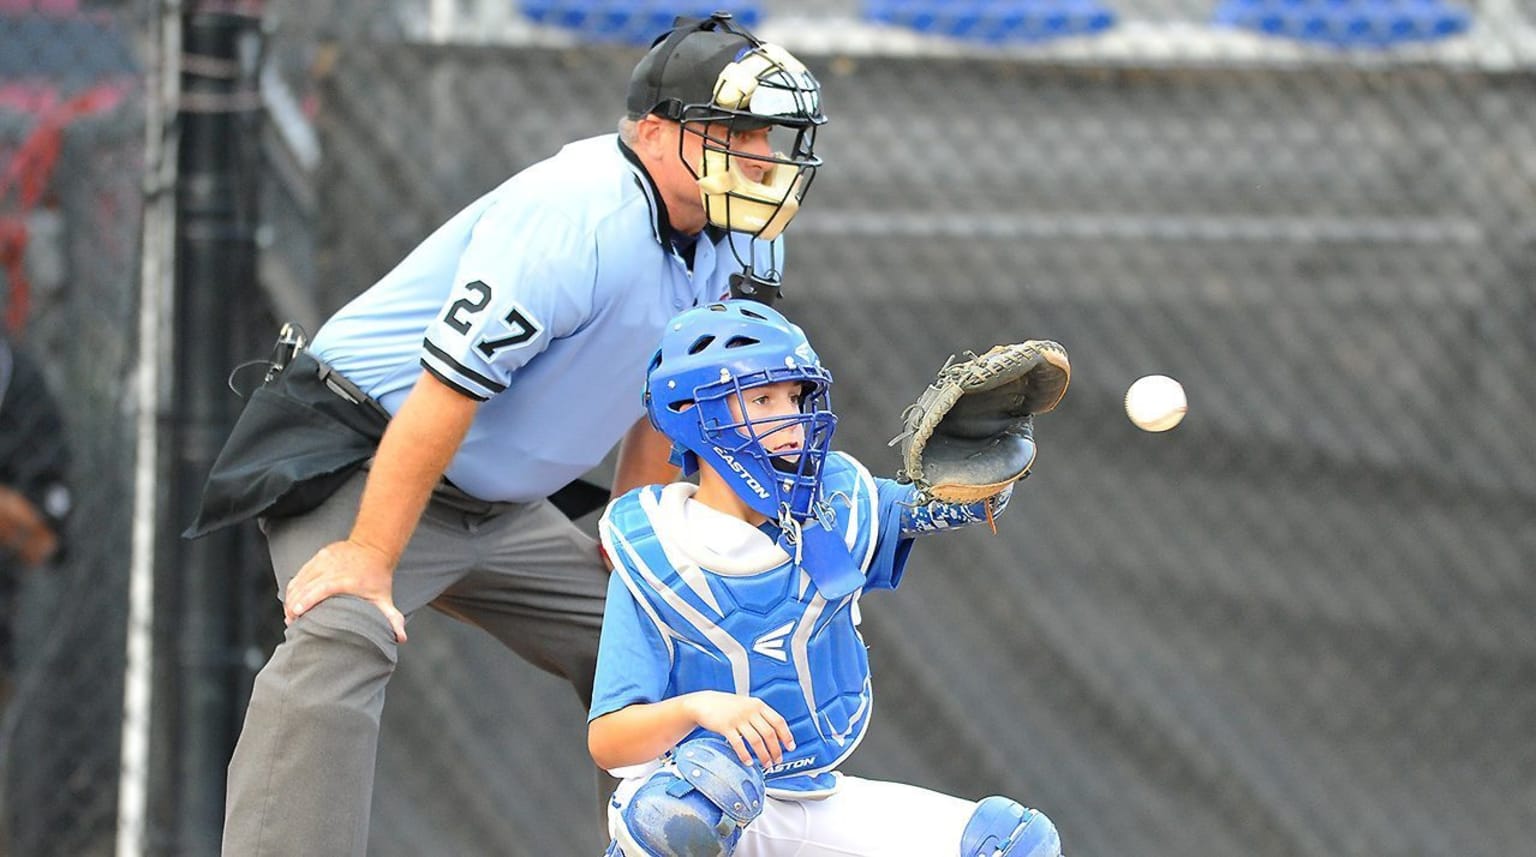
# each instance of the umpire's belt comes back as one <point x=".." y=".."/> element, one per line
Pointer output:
<point x="299" y="438"/>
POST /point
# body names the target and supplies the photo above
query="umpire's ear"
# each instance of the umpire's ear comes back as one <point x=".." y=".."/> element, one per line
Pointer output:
<point x="655" y="137"/>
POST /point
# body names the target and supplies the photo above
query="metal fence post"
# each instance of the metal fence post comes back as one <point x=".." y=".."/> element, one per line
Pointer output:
<point x="215" y="286"/>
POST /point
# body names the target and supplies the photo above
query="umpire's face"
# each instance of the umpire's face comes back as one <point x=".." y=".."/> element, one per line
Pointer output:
<point x="675" y="160"/>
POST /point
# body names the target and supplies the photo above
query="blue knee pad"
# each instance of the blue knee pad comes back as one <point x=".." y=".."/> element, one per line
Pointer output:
<point x="1001" y="827"/>
<point x="694" y="806"/>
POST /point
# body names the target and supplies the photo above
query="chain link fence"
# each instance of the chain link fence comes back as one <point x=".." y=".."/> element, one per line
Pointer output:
<point x="1298" y="623"/>
<point x="71" y="142"/>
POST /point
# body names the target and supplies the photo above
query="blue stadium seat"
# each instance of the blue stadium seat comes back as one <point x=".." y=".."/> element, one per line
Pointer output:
<point x="1347" y="23"/>
<point x="994" y="20"/>
<point x="629" y="21"/>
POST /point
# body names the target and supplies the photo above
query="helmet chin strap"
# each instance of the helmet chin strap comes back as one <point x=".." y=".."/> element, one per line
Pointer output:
<point x="821" y="551"/>
<point x="735" y="202"/>
<point x="818" y="548"/>
<point x="789" y="532"/>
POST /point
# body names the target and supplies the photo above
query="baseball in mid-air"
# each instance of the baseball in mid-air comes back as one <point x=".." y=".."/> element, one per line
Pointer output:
<point x="1156" y="403"/>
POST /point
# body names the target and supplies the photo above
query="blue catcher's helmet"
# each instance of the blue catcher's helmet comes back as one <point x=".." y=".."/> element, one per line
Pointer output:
<point x="710" y="355"/>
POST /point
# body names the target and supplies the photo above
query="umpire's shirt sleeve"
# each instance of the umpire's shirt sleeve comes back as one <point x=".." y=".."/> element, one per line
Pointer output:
<point x="526" y="278"/>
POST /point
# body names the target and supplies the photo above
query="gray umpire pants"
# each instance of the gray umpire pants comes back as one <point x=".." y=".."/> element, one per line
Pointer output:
<point x="301" y="778"/>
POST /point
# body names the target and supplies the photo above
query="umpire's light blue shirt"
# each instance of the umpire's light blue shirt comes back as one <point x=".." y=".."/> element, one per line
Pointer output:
<point x="544" y="299"/>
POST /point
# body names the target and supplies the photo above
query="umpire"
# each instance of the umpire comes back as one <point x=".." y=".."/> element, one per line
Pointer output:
<point x="407" y="457"/>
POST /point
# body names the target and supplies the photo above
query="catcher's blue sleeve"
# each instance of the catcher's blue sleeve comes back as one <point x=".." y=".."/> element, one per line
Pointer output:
<point x="902" y="520"/>
<point x="937" y="517"/>
<point x="632" y="661"/>
<point x="891" y="547"/>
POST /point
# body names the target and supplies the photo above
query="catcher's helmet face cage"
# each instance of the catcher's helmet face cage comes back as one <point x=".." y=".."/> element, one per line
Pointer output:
<point x="761" y="88"/>
<point x="716" y="354"/>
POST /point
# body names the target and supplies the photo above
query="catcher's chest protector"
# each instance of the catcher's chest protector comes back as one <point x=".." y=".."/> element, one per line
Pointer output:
<point x="769" y="633"/>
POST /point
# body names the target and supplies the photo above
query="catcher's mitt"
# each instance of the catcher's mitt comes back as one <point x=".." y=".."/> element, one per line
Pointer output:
<point x="970" y="434"/>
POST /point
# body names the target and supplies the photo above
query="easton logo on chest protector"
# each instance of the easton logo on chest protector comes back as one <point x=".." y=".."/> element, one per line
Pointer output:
<point x="790" y="766"/>
<point x="771" y="644"/>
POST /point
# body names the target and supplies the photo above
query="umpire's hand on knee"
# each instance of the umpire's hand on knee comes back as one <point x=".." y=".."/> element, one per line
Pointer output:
<point x="345" y="568"/>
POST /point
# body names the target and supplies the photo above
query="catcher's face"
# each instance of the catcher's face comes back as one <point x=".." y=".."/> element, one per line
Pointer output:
<point x="772" y="412"/>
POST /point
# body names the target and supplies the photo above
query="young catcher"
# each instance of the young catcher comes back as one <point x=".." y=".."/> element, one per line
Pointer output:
<point x="731" y="677"/>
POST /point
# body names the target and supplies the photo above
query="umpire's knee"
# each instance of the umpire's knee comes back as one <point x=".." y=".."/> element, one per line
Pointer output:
<point x="337" y="647"/>
<point x="347" y="616"/>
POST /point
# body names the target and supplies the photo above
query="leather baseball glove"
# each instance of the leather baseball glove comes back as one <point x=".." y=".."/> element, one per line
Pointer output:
<point x="971" y="433"/>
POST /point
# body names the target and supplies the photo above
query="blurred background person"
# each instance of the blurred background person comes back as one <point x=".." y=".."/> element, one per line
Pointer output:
<point x="35" y="498"/>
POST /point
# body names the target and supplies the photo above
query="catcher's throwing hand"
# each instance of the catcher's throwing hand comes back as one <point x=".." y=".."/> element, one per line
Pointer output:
<point x="971" y="433"/>
<point x="345" y="568"/>
<point x="749" y="724"/>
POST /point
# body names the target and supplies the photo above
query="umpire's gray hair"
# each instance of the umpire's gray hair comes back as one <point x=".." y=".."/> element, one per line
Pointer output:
<point x="627" y="131"/>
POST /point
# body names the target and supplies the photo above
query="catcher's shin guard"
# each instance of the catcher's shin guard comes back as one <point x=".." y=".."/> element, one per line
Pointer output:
<point x="695" y="806"/>
<point x="1001" y="827"/>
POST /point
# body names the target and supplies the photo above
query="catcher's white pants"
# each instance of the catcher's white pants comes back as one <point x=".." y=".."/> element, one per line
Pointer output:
<point x="863" y="818"/>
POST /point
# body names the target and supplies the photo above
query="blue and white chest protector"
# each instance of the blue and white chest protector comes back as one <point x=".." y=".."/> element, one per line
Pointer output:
<point x="720" y="606"/>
